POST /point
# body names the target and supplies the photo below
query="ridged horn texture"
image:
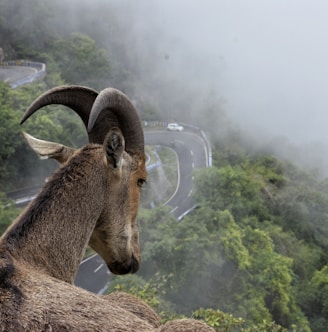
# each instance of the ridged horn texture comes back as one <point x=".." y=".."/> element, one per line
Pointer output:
<point x="114" y="108"/>
<point x="80" y="99"/>
<point x="99" y="112"/>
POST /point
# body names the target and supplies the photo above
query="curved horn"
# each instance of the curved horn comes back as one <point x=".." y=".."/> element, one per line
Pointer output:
<point x="115" y="109"/>
<point x="78" y="98"/>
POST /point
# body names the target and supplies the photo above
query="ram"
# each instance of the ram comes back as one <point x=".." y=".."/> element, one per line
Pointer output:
<point x="92" y="199"/>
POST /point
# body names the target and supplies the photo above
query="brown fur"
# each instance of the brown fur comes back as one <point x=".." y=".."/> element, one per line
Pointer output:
<point x="136" y="306"/>
<point x="31" y="301"/>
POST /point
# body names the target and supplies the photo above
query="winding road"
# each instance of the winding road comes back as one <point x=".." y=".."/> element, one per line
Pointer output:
<point x="20" y="72"/>
<point x="11" y="74"/>
<point x="192" y="153"/>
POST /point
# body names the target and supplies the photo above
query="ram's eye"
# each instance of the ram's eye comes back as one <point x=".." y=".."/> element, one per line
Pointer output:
<point x="141" y="182"/>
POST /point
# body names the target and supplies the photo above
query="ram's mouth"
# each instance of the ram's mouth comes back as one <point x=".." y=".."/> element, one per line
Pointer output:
<point x="132" y="266"/>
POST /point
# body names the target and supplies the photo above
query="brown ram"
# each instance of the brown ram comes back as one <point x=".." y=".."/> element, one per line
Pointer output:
<point x="93" y="198"/>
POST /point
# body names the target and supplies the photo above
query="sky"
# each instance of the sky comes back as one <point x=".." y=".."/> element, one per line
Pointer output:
<point x="268" y="59"/>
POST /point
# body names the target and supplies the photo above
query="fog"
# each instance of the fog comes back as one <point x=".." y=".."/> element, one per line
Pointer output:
<point x="267" y="59"/>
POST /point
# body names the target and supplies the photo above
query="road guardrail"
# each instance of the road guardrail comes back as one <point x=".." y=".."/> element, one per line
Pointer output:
<point x="189" y="127"/>
<point x="40" y="71"/>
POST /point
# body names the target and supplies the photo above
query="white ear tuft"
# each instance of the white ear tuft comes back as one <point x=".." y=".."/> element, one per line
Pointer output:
<point x="46" y="150"/>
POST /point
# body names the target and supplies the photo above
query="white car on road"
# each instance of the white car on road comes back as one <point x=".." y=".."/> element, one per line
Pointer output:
<point x="174" y="127"/>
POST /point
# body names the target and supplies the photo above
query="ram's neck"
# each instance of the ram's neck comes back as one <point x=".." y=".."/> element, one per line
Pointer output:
<point x="53" y="232"/>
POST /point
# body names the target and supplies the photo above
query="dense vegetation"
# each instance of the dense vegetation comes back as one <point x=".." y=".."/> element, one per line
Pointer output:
<point x="251" y="257"/>
<point x="255" y="247"/>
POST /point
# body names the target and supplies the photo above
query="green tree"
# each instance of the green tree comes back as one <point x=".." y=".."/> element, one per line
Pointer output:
<point x="230" y="188"/>
<point x="10" y="138"/>
<point x="8" y="212"/>
<point x="19" y="165"/>
<point x="272" y="274"/>
<point x="81" y="61"/>
<point x="315" y="300"/>
<point x="219" y="320"/>
<point x="24" y="26"/>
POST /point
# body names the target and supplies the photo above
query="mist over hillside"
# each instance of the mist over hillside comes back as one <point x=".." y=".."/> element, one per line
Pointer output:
<point x="260" y="66"/>
<point x="262" y="63"/>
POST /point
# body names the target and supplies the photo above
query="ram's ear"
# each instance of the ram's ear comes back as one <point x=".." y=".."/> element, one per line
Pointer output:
<point x="46" y="150"/>
<point x="114" y="145"/>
